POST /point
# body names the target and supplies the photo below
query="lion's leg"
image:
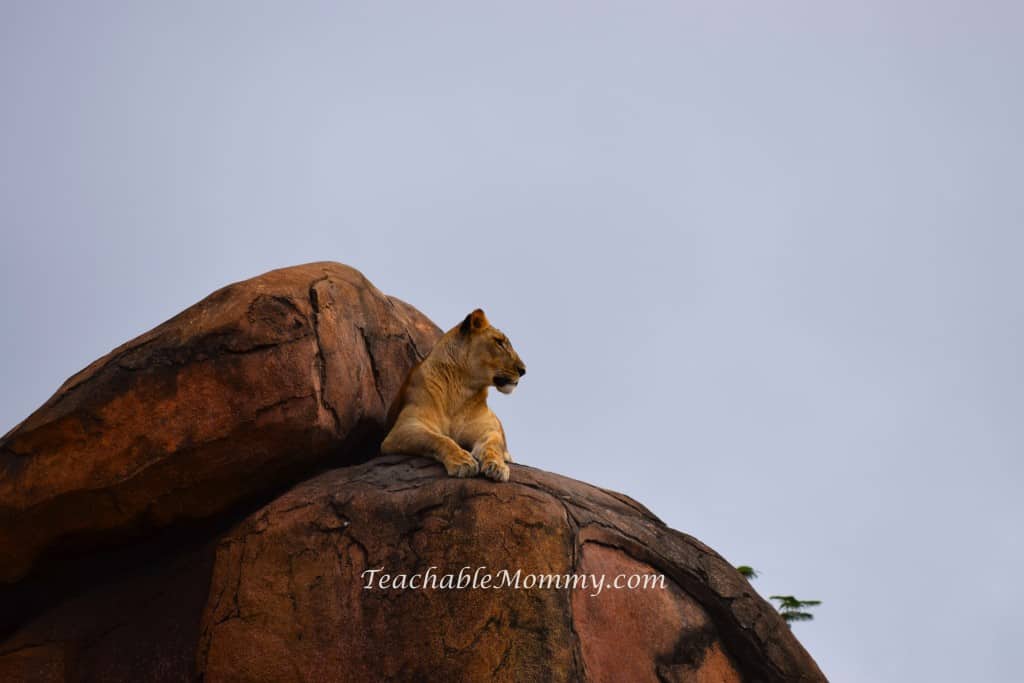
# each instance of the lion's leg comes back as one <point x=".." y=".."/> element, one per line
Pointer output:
<point x="485" y="437"/>
<point x="416" y="439"/>
<point x="490" y="451"/>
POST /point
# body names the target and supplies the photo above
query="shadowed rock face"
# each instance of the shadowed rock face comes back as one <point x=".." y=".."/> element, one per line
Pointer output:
<point x="242" y="392"/>
<point x="222" y="417"/>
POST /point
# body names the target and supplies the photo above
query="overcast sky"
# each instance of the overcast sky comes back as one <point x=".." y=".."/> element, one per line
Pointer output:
<point x="763" y="260"/>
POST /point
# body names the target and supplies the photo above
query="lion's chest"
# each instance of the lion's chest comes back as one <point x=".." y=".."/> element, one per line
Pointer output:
<point x="467" y="427"/>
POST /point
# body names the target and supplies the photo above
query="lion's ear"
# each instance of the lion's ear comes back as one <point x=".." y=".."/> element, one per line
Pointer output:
<point x="474" y="322"/>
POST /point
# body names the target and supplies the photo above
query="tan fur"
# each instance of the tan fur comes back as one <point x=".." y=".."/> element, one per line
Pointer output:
<point x="441" y="410"/>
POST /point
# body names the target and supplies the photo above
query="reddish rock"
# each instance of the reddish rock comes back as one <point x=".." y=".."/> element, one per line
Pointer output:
<point x="155" y="466"/>
<point x="253" y="387"/>
<point x="288" y="600"/>
<point x="644" y="634"/>
<point x="281" y="595"/>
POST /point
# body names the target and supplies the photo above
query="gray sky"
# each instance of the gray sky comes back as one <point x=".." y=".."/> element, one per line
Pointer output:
<point x="762" y="259"/>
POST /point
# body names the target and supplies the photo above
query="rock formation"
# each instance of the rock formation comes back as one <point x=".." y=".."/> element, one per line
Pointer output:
<point x="198" y="505"/>
<point x="246" y="390"/>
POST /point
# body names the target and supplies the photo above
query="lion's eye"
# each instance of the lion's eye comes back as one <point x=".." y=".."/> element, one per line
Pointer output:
<point x="500" y="342"/>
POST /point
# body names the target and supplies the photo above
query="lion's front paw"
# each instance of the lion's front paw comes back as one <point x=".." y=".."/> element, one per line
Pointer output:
<point x="496" y="469"/>
<point x="461" y="464"/>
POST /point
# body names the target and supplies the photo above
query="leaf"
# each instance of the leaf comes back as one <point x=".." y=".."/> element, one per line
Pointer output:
<point x="791" y="602"/>
<point x="789" y="616"/>
<point x="747" y="571"/>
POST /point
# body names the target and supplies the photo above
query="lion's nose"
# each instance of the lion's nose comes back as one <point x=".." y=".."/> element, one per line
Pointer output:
<point x="521" y="369"/>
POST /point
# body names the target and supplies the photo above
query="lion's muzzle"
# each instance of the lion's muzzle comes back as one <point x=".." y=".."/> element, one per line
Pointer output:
<point x="505" y="385"/>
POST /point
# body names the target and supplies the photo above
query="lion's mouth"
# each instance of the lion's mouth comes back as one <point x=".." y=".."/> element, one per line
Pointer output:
<point x="504" y="384"/>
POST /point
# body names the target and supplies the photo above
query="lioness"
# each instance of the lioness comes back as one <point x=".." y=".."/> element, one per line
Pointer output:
<point x="441" y="410"/>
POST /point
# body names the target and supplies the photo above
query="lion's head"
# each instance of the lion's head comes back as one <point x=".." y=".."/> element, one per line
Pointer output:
<point x="491" y="358"/>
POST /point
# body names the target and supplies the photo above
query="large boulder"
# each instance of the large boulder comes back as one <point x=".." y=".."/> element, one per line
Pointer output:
<point x="285" y="594"/>
<point x="201" y="505"/>
<point x="291" y="598"/>
<point x="250" y="389"/>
